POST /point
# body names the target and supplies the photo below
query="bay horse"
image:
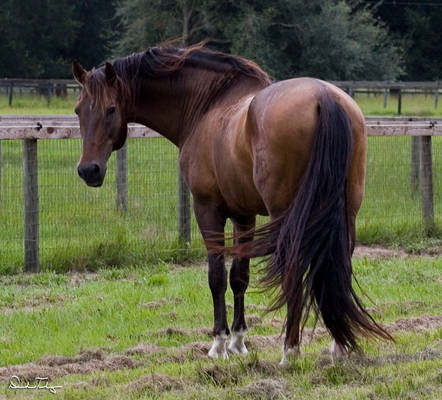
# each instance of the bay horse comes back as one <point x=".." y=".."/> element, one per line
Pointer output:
<point x="294" y="150"/>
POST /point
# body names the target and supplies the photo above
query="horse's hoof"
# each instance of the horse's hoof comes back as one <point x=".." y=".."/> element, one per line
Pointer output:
<point x="236" y="344"/>
<point x="219" y="347"/>
<point x="289" y="353"/>
<point x="338" y="352"/>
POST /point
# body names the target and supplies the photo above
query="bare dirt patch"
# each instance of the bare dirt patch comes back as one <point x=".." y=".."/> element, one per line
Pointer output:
<point x="377" y="252"/>
<point x="386" y="252"/>
<point x="417" y="324"/>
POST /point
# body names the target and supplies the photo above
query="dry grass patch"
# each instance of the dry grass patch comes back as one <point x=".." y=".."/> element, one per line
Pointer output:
<point x="53" y="366"/>
<point x="145" y="349"/>
<point x="269" y="389"/>
<point x="155" y="382"/>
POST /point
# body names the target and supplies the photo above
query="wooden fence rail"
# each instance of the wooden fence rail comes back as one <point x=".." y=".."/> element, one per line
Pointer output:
<point x="30" y="129"/>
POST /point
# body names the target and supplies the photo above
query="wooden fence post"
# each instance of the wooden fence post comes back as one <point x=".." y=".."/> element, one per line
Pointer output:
<point x="415" y="163"/>
<point x="30" y="196"/>
<point x="427" y="184"/>
<point x="11" y="91"/>
<point x="399" y="102"/>
<point x="49" y="93"/>
<point x="184" y="215"/>
<point x="385" y="97"/>
<point x="121" y="179"/>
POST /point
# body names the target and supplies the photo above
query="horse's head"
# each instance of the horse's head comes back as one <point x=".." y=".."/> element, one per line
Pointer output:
<point x="103" y="125"/>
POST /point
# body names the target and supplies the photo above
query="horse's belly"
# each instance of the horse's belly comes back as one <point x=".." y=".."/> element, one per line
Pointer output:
<point x="241" y="197"/>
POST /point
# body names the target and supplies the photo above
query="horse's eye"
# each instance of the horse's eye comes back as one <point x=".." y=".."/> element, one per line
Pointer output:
<point x="77" y="111"/>
<point x="110" y="111"/>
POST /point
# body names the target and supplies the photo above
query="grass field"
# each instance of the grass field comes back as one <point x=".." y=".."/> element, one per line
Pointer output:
<point x="143" y="332"/>
<point x="371" y="104"/>
<point x="138" y="326"/>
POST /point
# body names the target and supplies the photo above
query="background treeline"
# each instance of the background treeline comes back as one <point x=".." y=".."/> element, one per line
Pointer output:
<point x="330" y="39"/>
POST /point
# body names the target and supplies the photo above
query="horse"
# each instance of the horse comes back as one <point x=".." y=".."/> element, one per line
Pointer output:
<point x="293" y="150"/>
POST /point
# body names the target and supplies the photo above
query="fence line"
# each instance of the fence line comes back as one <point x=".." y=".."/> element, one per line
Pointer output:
<point x="60" y="87"/>
<point x="30" y="129"/>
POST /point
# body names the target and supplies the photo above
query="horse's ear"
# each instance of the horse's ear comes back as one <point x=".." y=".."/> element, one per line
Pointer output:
<point x="79" y="72"/>
<point x="110" y="73"/>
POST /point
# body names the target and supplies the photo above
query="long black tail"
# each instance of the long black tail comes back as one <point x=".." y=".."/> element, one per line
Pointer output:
<point x="310" y="243"/>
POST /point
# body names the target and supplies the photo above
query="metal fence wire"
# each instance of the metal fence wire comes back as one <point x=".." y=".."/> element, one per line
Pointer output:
<point x="82" y="227"/>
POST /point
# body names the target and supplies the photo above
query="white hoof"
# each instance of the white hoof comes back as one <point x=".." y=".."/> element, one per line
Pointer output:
<point x="236" y="344"/>
<point x="219" y="347"/>
<point x="338" y="352"/>
<point x="289" y="353"/>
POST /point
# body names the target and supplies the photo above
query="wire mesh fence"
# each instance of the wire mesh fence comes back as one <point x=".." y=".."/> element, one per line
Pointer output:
<point x="82" y="227"/>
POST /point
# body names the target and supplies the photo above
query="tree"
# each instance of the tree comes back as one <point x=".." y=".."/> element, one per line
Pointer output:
<point x="35" y="35"/>
<point x="40" y="38"/>
<point x="327" y="40"/>
<point x="145" y="23"/>
<point x="331" y="40"/>
<point x="95" y="32"/>
<point x="417" y="25"/>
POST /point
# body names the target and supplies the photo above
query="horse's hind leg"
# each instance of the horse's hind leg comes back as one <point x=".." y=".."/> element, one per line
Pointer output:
<point x="338" y="351"/>
<point x="292" y="345"/>
<point x="239" y="281"/>
<point x="210" y="222"/>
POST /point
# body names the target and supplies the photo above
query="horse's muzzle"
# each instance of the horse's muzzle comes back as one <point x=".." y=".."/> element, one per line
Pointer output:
<point x="91" y="173"/>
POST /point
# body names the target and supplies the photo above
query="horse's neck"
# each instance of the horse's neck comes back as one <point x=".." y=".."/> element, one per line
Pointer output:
<point x="157" y="108"/>
<point x="173" y="106"/>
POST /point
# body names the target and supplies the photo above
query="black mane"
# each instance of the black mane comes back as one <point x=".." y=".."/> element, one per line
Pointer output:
<point x="163" y="61"/>
<point x="157" y="62"/>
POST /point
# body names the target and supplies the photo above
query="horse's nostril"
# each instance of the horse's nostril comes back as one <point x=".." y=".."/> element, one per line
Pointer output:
<point x="89" y="172"/>
<point x="95" y="168"/>
<point x="80" y="171"/>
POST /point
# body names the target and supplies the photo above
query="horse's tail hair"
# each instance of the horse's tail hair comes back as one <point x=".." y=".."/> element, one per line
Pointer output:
<point x="309" y="245"/>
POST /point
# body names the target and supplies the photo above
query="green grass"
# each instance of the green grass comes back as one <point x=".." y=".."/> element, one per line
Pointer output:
<point x="371" y="104"/>
<point x="113" y="310"/>
<point x="26" y="104"/>
<point x="412" y="105"/>
<point x="80" y="228"/>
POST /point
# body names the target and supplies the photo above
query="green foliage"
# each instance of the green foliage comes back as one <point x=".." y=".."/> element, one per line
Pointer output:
<point x="40" y="38"/>
<point x="287" y="38"/>
<point x="417" y="26"/>
<point x="34" y="36"/>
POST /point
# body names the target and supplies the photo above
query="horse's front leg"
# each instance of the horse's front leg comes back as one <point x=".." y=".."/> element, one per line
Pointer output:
<point x="239" y="281"/>
<point x="211" y="223"/>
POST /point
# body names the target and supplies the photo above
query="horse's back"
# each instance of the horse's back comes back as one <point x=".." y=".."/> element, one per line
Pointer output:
<point x="282" y="121"/>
